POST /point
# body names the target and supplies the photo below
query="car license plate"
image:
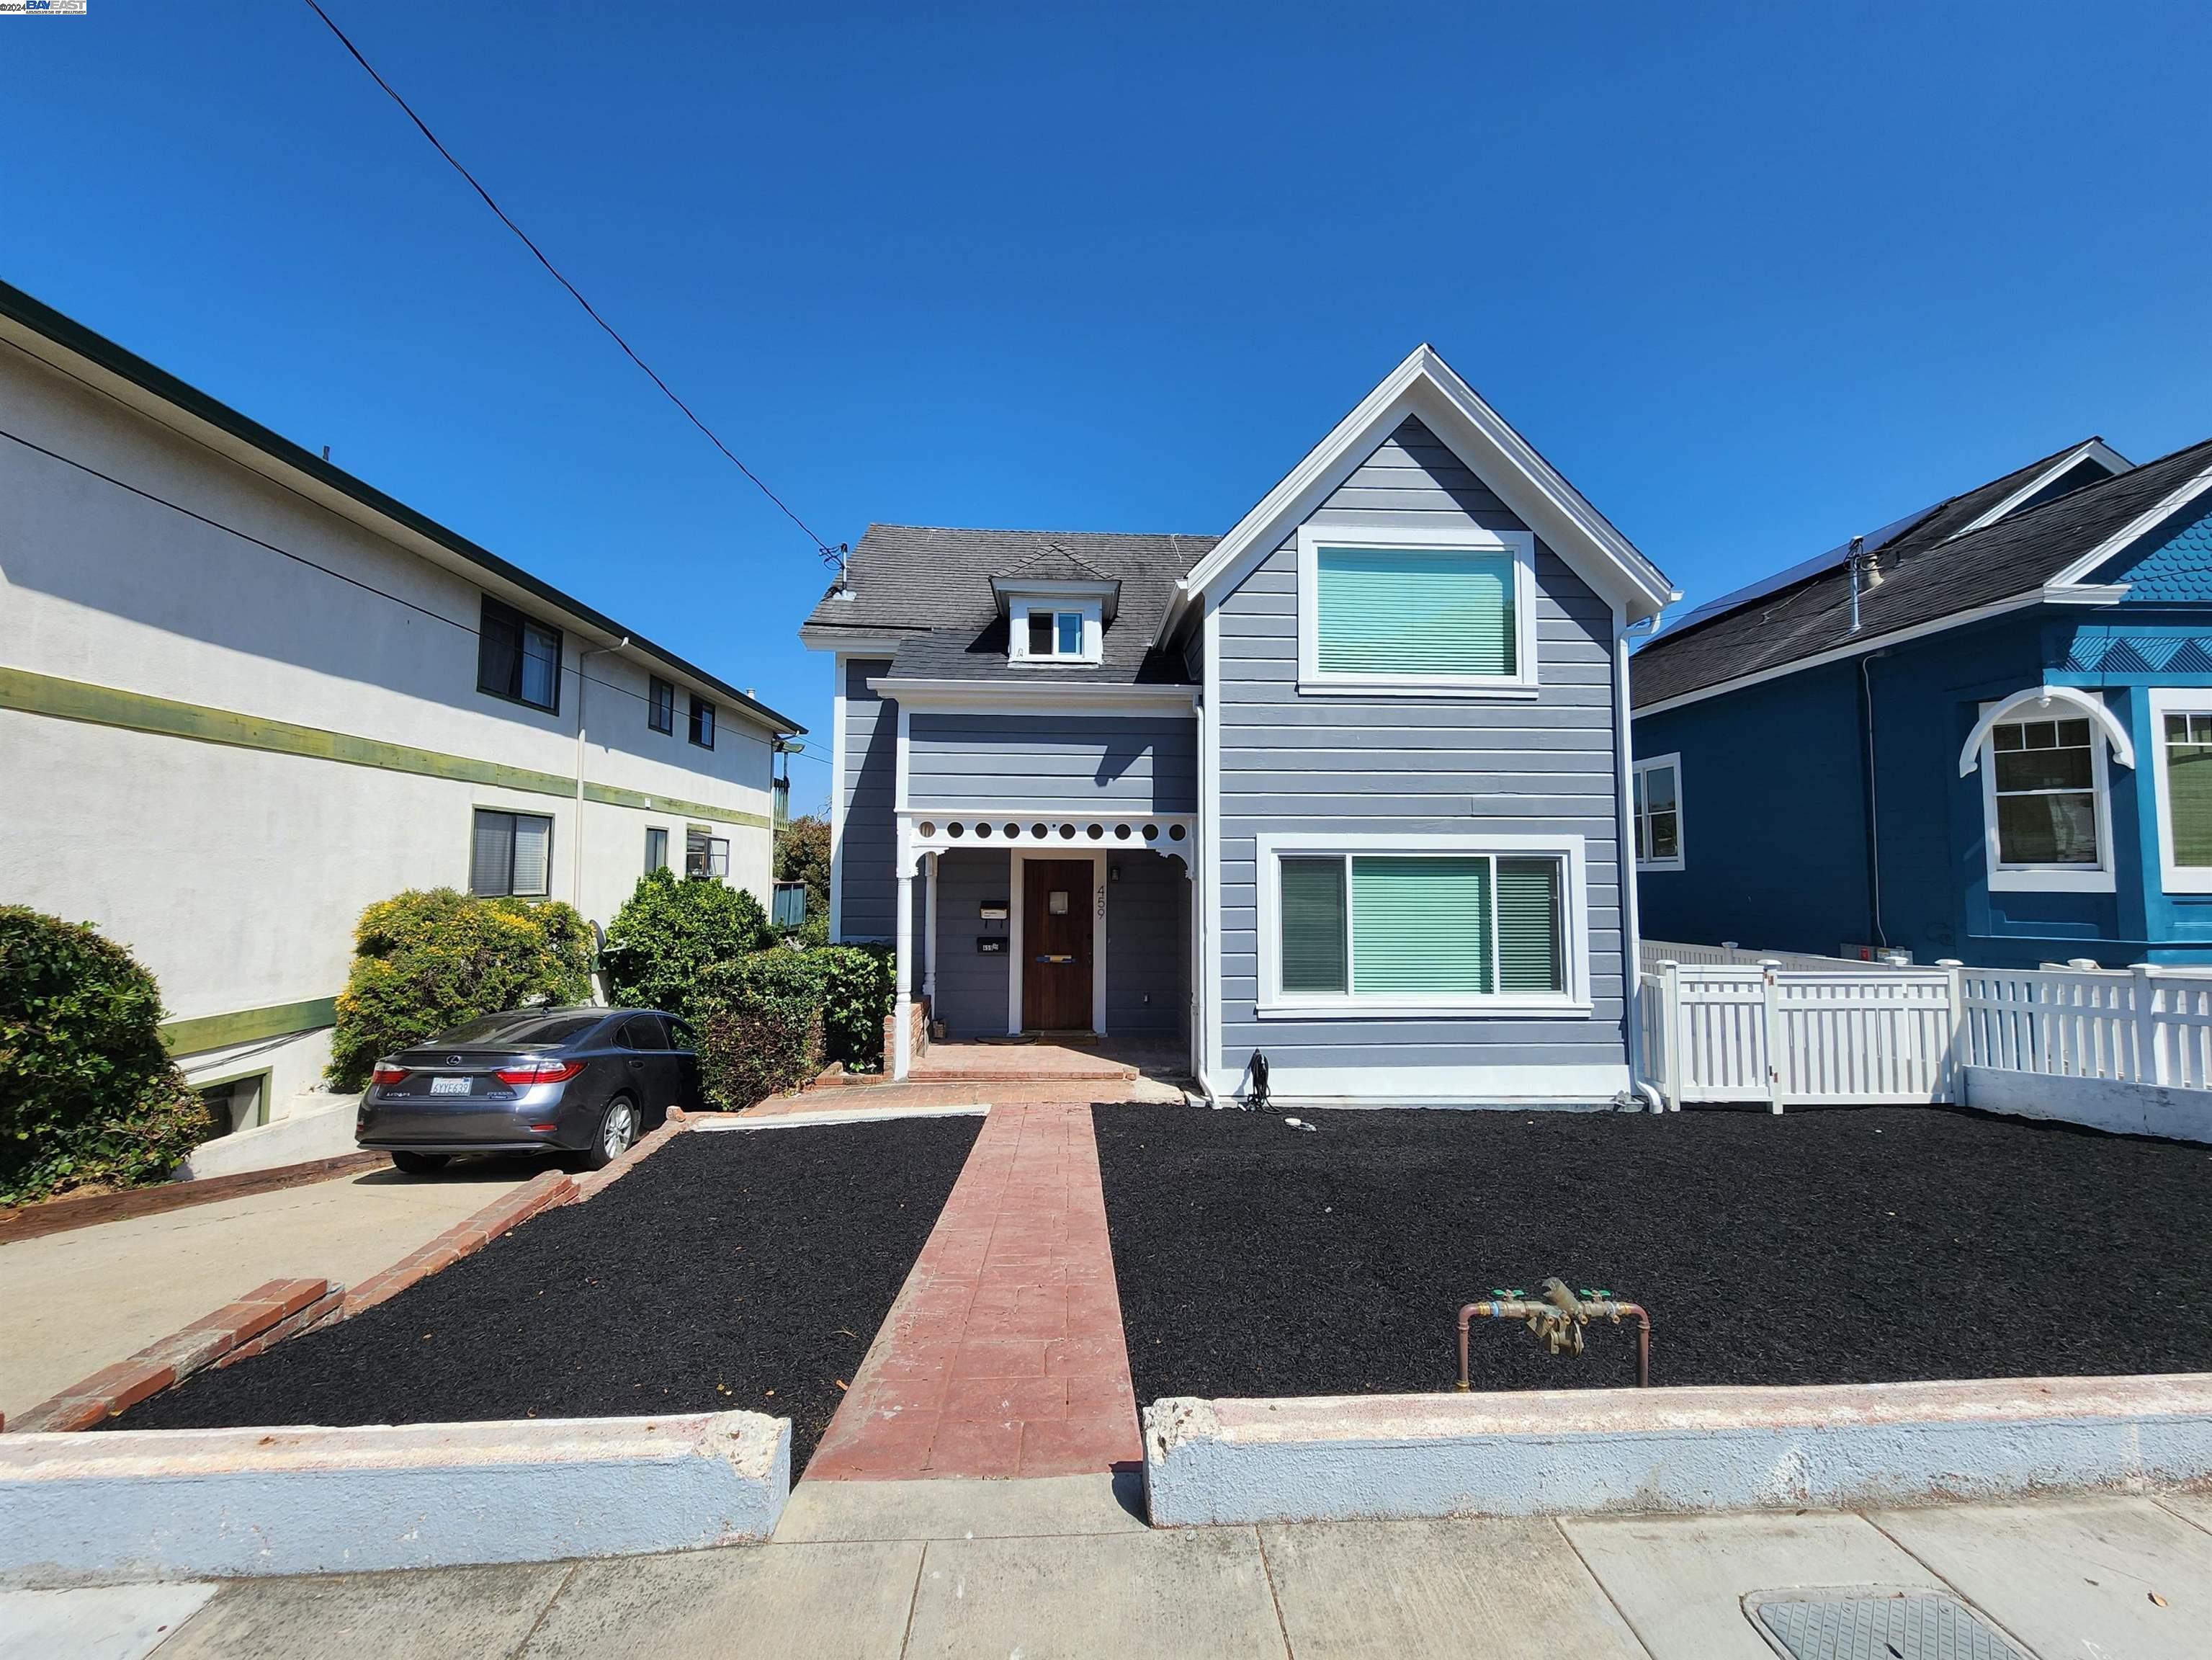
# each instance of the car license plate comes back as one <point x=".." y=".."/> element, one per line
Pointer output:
<point x="450" y="1085"/>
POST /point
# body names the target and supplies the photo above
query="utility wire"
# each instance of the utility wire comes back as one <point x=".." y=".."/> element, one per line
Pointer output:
<point x="830" y="555"/>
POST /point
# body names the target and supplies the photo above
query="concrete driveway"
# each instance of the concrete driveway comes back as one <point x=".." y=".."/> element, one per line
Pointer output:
<point x="72" y="1303"/>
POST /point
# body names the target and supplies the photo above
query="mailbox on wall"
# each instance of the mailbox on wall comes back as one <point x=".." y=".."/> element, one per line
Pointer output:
<point x="993" y="910"/>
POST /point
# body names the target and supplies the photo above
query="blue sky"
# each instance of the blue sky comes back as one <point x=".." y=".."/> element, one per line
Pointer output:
<point x="1754" y="277"/>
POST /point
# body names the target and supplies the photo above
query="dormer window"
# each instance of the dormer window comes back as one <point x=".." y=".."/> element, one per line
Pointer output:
<point x="1056" y="634"/>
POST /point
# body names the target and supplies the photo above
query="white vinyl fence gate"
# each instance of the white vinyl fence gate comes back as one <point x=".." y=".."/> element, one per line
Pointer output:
<point x="1879" y="1032"/>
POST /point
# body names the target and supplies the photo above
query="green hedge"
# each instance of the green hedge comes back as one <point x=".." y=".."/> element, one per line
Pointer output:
<point x="425" y="961"/>
<point x="669" y="931"/>
<point x="859" y="983"/>
<point x="759" y="1020"/>
<point x="87" y="1094"/>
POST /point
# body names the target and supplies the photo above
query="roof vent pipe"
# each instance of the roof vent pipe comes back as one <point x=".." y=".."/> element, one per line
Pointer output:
<point x="1858" y="543"/>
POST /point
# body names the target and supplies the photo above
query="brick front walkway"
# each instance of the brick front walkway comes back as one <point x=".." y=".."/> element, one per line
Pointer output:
<point x="1003" y="1354"/>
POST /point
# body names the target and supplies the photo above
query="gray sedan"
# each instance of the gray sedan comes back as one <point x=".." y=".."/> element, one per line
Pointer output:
<point x="583" y="1082"/>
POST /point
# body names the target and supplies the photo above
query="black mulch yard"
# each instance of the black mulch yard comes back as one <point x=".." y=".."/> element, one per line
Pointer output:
<point x="746" y="1268"/>
<point x="1867" y="1245"/>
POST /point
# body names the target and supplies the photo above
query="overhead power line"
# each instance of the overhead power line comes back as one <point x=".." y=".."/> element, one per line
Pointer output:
<point x="830" y="555"/>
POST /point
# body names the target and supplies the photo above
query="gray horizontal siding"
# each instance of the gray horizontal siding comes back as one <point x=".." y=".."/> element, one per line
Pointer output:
<point x="1147" y="951"/>
<point x="1404" y="765"/>
<point x="867" y="844"/>
<point x="1138" y="763"/>
<point x="972" y="988"/>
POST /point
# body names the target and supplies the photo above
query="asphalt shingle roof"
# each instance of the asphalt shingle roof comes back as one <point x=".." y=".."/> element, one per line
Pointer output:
<point x="1924" y="575"/>
<point x="930" y="587"/>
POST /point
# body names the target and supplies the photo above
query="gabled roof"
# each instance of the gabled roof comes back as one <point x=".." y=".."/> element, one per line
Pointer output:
<point x="1055" y="561"/>
<point x="43" y="333"/>
<point x="927" y="591"/>
<point x="1427" y="387"/>
<point x="1929" y="573"/>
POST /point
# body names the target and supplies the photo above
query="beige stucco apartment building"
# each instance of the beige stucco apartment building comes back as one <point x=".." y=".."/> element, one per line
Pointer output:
<point x="243" y="695"/>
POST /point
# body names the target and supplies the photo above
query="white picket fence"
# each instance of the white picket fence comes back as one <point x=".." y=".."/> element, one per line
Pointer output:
<point x="1653" y="952"/>
<point x="1780" y="1034"/>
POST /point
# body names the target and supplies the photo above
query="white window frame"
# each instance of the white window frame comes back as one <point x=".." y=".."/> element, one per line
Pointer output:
<point x="2164" y="701"/>
<point x="1641" y="815"/>
<point x="1274" y="1003"/>
<point x="2047" y="878"/>
<point x="1091" y="610"/>
<point x="1313" y="682"/>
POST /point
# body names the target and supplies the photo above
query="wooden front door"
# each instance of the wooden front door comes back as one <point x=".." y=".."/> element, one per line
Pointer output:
<point x="1056" y="906"/>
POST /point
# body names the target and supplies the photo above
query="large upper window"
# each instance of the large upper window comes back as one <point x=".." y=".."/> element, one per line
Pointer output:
<point x="511" y="853"/>
<point x="703" y="723"/>
<point x="1451" y="614"/>
<point x="1659" y="813"/>
<point x="2043" y="800"/>
<point x="2182" y="720"/>
<point x="659" y="705"/>
<point x="517" y="658"/>
<point x="1424" y="927"/>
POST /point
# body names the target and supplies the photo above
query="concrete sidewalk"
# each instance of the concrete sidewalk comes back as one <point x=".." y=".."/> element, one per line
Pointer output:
<point x="1057" y="1566"/>
<point x="72" y="1303"/>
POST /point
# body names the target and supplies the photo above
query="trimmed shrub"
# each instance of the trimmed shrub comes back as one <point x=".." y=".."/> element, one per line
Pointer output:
<point x="425" y="961"/>
<point x="87" y="1094"/>
<point x="859" y="986"/>
<point x="759" y="1020"/>
<point x="670" y="931"/>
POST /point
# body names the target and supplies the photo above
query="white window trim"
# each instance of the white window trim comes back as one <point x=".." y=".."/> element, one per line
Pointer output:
<point x="1094" y="629"/>
<point x="2044" y="878"/>
<point x="1473" y="539"/>
<point x="2164" y="701"/>
<point x="1275" y="1004"/>
<point x="1660" y="763"/>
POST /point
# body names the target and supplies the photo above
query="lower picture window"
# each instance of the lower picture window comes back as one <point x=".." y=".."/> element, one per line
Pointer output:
<point x="2045" y="786"/>
<point x="2189" y="787"/>
<point x="1421" y="925"/>
<point x="512" y="853"/>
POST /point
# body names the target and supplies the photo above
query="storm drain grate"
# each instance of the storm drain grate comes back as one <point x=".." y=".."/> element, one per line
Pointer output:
<point x="1923" y="1628"/>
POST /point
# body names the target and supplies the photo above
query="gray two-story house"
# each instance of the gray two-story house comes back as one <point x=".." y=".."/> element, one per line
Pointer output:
<point x="1346" y="787"/>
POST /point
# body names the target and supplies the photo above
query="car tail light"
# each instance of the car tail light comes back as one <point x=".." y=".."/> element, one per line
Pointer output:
<point x="385" y="1076"/>
<point x="540" y="1072"/>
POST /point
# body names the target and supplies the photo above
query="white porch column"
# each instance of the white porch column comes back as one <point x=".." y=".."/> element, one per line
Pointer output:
<point x="902" y="1056"/>
<point x="929" y="936"/>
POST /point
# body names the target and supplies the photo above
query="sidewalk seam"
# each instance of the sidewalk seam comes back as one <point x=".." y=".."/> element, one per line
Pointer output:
<point x="1559" y="1527"/>
<point x="1274" y="1596"/>
<point x="913" y="1598"/>
<point x="523" y="1647"/>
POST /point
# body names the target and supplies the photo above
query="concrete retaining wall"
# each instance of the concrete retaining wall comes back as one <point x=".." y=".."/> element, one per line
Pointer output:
<point x="2100" y="1102"/>
<point x="1588" y="1451"/>
<point x="162" y="1504"/>
<point x="324" y="1132"/>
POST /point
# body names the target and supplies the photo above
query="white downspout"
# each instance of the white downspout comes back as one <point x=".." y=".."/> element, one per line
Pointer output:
<point x="1630" y="923"/>
<point x="576" y="859"/>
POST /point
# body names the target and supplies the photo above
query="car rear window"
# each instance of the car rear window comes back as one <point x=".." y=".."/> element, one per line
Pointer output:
<point x="518" y="1031"/>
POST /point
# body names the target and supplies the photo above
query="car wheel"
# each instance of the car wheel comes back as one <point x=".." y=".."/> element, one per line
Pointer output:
<point x="419" y="1164"/>
<point x="617" y="1133"/>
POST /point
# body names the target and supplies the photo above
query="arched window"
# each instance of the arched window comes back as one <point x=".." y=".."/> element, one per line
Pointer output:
<point x="2046" y="798"/>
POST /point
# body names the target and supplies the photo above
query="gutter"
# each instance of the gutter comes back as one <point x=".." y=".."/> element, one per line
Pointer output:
<point x="44" y="322"/>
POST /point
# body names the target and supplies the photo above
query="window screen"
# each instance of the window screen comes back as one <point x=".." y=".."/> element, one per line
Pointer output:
<point x="2045" y="785"/>
<point x="1417" y="611"/>
<point x="510" y="852"/>
<point x="2189" y="786"/>
<point x="1313" y="925"/>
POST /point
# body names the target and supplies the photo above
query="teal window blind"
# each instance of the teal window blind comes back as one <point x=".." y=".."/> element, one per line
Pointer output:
<point x="1421" y="925"/>
<point x="1528" y="954"/>
<point x="1313" y="925"/>
<point x="1396" y="611"/>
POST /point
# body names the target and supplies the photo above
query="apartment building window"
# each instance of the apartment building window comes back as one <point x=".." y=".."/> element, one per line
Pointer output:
<point x="660" y="705"/>
<point x="510" y="853"/>
<point x="703" y="723"/>
<point x="518" y="659"/>
<point x="656" y="848"/>
<point x="706" y="854"/>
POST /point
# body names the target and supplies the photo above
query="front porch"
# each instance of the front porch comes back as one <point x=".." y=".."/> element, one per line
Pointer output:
<point x="1079" y="931"/>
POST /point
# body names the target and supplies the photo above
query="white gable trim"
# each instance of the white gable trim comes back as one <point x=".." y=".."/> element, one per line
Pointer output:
<point x="2095" y="450"/>
<point x="1425" y="387"/>
<point x="2131" y="533"/>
